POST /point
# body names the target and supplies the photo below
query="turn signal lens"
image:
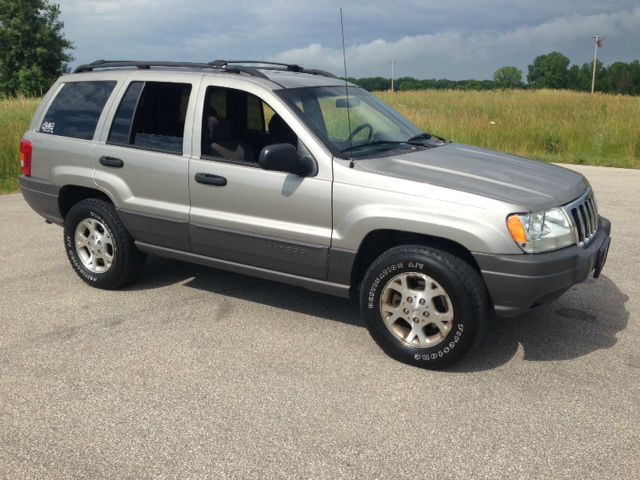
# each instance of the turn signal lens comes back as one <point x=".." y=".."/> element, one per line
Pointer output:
<point x="516" y="229"/>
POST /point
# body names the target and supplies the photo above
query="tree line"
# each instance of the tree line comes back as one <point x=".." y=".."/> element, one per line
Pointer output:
<point x="551" y="70"/>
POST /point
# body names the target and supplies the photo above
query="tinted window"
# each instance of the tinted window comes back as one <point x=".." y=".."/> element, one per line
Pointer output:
<point x="217" y="101"/>
<point x="152" y="115"/>
<point x="237" y="125"/>
<point x="76" y="109"/>
<point x="121" y="127"/>
<point x="255" y="116"/>
<point x="258" y="114"/>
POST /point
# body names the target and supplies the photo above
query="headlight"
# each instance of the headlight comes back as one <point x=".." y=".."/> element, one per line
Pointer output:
<point x="541" y="231"/>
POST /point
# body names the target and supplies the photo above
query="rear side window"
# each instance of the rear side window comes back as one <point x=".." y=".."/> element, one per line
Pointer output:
<point x="121" y="127"/>
<point x="152" y="116"/>
<point x="76" y="109"/>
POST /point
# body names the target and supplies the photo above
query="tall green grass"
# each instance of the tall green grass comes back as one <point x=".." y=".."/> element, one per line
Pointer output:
<point x="15" y="116"/>
<point x="550" y="125"/>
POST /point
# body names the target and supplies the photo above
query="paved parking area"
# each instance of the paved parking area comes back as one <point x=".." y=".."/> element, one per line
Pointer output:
<point x="199" y="373"/>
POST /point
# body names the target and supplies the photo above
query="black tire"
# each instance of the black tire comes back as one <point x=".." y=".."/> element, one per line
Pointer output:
<point x="127" y="259"/>
<point x="467" y="297"/>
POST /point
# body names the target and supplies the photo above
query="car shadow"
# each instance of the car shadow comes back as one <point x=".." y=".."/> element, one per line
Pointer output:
<point x="161" y="272"/>
<point x="585" y="319"/>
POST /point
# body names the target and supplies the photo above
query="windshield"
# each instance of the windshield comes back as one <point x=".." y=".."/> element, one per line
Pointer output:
<point x="359" y="126"/>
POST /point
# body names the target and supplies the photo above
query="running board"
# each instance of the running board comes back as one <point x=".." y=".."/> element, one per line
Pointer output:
<point x="320" y="286"/>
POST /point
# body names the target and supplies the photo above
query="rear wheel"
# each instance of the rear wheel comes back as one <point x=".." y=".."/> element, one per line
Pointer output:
<point x="424" y="306"/>
<point x="100" y="249"/>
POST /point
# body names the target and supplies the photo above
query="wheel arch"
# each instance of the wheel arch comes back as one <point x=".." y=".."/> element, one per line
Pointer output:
<point x="376" y="242"/>
<point x="69" y="195"/>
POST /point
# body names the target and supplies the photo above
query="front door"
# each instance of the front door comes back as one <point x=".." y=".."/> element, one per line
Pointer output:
<point x="242" y="213"/>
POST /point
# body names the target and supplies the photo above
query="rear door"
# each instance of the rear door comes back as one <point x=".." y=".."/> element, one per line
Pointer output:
<point x="273" y="220"/>
<point x="143" y="159"/>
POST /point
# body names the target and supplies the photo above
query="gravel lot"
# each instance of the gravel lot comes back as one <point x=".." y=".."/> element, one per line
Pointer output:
<point x="199" y="373"/>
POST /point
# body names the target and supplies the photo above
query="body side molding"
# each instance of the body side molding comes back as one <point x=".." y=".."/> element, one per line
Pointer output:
<point x="315" y="285"/>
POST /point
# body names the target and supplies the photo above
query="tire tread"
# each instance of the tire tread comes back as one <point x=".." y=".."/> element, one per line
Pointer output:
<point x="132" y="259"/>
<point x="469" y="277"/>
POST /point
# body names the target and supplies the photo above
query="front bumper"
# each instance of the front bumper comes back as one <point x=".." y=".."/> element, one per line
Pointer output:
<point x="518" y="283"/>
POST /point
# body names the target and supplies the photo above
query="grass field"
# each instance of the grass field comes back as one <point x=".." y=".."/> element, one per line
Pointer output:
<point x="550" y="125"/>
<point x="15" y="115"/>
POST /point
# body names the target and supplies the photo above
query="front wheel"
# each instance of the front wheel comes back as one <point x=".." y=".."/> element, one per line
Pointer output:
<point x="100" y="249"/>
<point x="424" y="306"/>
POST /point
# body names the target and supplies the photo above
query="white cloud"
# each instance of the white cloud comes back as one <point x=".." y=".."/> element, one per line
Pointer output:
<point x="429" y="38"/>
<point x="563" y="29"/>
<point x="466" y="48"/>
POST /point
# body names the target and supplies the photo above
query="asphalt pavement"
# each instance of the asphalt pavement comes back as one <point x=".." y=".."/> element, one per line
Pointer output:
<point x="199" y="373"/>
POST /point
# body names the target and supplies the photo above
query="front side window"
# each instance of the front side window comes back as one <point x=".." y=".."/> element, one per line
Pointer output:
<point x="259" y="114"/>
<point x="152" y="116"/>
<point x="237" y="125"/>
<point x="76" y="109"/>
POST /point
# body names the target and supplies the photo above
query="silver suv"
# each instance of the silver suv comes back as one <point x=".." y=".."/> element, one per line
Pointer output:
<point x="293" y="175"/>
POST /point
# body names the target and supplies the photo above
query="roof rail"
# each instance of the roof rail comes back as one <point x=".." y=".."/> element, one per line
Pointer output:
<point x="289" y="66"/>
<point x="132" y="63"/>
<point x="233" y="66"/>
<point x="265" y="65"/>
<point x="146" y="65"/>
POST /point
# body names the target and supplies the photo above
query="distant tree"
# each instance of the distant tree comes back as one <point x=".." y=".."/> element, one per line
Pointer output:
<point x="508" y="77"/>
<point x="372" y="83"/>
<point x="549" y="71"/>
<point x="33" y="48"/>
<point x="575" y="79"/>
<point x="619" y="78"/>
<point x="446" y="83"/>
<point x="634" y="69"/>
<point x="407" y="83"/>
<point x="579" y="77"/>
<point x="469" y="85"/>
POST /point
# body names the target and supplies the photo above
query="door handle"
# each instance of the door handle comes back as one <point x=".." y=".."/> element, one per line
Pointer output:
<point x="210" y="179"/>
<point x="111" y="162"/>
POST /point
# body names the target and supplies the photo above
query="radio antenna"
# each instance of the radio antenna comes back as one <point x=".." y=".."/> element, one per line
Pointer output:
<point x="346" y="84"/>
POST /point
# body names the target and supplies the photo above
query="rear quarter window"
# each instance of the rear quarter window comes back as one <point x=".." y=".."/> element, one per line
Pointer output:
<point x="76" y="109"/>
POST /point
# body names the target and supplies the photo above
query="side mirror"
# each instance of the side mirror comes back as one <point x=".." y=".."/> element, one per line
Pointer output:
<point x="283" y="157"/>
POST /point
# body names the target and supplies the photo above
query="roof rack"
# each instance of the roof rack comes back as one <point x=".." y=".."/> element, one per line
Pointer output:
<point x="146" y="65"/>
<point x="288" y="66"/>
<point x="233" y="66"/>
<point x="278" y="66"/>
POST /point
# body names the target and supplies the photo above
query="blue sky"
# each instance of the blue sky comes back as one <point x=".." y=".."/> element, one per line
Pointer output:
<point x="457" y="39"/>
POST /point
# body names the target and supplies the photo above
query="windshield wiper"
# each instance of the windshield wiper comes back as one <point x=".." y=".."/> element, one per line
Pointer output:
<point x="373" y="144"/>
<point x="420" y="136"/>
<point x="415" y="140"/>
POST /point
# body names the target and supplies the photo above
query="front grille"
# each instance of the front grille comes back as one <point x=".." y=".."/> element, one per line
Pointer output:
<point x="584" y="213"/>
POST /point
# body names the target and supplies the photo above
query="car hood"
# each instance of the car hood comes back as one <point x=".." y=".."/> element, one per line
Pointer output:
<point x="533" y="184"/>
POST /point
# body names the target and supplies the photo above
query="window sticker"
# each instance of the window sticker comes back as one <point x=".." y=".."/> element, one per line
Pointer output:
<point x="47" y="127"/>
